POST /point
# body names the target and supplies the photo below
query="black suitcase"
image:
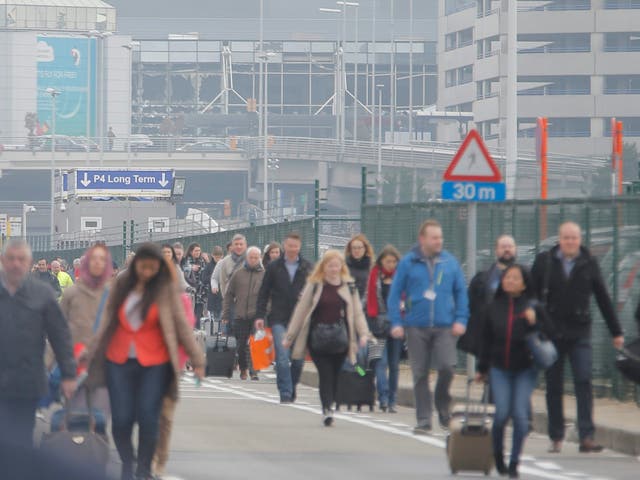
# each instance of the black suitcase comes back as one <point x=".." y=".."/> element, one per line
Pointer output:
<point x="221" y="356"/>
<point x="628" y="360"/>
<point x="354" y="389"/>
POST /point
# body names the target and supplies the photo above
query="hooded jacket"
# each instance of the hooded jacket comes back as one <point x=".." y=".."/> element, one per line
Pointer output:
<point x="413" y="279"/>
<point x="242" y="292"/>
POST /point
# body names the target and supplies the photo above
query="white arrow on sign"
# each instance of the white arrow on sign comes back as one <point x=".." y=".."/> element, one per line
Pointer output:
<point x="85" y="180"/>
<point x="163" y="182"/>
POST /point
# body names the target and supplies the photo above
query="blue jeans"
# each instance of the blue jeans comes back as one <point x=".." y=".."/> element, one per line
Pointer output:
<point x="512" y="396"/>
<point x="388" y="386"/>
<point x="136" y="394"/>
<point x="287" y="371"/>
<point x="579" y="353"/>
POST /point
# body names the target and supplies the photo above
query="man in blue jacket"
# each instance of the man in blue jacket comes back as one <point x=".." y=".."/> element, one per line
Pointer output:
<point x="431" y="287"/>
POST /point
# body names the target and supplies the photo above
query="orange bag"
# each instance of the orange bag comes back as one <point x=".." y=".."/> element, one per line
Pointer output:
<point x="262" y="351"/>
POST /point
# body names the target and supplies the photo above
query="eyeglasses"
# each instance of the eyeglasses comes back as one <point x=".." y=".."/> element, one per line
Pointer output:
<point x="356" y="247"/>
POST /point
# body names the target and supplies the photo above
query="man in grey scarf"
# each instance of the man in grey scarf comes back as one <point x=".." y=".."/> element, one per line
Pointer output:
<point x="229" y="264"/>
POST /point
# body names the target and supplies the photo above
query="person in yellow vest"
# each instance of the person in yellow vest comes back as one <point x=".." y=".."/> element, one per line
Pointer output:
<point x="64" y="279"/>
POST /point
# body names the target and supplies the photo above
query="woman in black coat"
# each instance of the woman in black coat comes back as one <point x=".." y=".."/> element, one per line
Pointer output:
<point x="360" y="258"/>
<point x="506" y="359"/>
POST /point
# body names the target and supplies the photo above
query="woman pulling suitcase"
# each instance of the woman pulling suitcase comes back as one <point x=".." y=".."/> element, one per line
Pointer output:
<point x="329" y="321"/>
<point x="506" y="359"/>
<point x="136" y="353"/>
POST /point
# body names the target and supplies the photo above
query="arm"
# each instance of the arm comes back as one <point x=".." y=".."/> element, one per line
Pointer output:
<point x="264" y="294"/>
<point x="461" y="298"/>
<point x="604" y="301"/>
<point x="301" y="312"/>
<point x="537" y="275"/>
<point x="215" y="276"/>
<point x="476" y="293"/>
<point x="398" y="287"/>
<point x="360" y="320"/>
<point x="484" y="357"/>
<point x="228" y="299"/>
<point x="59" y="337"/>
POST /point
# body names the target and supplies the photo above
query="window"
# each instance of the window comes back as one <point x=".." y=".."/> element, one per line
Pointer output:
<point x="465" y="75"/>
<point x="454" y="6"/>
<point x="631" y="126"/>
<point x="554" y="85"/>
<point x="451" y="41"/>
<point x="558" y="5"/>
<point x="450" y="78"/>
<point x="620" y="4"/>
<point x="554" y="43"/>
<point x="569" y="127"/>
<point x="622" y="42"/>
<point x="621" y="84"/>
<point x="465" y="37"/>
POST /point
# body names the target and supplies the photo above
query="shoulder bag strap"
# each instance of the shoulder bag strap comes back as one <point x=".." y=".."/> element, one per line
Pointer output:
<point x="547" y="277"/>
<point x="103" y="301"/>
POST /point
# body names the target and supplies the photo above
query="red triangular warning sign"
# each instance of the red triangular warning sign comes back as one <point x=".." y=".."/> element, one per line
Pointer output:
<point x="472" y="162"/>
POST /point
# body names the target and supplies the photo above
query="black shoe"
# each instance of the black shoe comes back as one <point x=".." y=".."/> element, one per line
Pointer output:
<point x="286" y="401"/>
<point x="589" y="446"/>
<point x="513" y="470"/>
<point x="294" y="396"/>
<point x="383" y="408"/>
<point x="444" y="421"/>
<point x="422" y="430"/>
<point x="255" y="377"/>
<point x="327" y="418"/>
<point x="501" y="468"/>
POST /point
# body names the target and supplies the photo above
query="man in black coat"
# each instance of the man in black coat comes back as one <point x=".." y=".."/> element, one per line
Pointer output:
<point x="29" y="314"/>
<point x="482" y="289"/>
<point x="283" y="283"/>
<point x="565" y="278"/>
<point x="44" y="275"/>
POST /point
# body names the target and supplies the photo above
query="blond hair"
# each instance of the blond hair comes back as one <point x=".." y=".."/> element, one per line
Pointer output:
<point x="317" y="276"/>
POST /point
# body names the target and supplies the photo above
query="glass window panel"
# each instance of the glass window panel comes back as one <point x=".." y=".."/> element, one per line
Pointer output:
<point x="154" y="56"/>
<point x="296" y="89"/>
<point x="321" y="88"/>
<point x="182" y="56"/>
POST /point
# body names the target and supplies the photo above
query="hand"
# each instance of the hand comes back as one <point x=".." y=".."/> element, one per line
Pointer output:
<point x="457" y="329"/>
<point x="259" y="324"/>
<point x="363" y="342"/>
<point x="286" y="343"/>
<point x="69" y="388"/>
<point x="481" y="377"/>
<point x="195" y="267"/>
<point x="618" y="342"/>
<point x="530" y="315"/>
<point x="199" y="372"/>
<point x="225" y="322"/>
<point x="397" y="332"/>
<point x="214" y="290"/>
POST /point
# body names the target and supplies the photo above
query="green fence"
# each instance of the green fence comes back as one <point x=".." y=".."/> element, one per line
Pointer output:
<point x="259" y="236"/>
<point x="611" y="230"/>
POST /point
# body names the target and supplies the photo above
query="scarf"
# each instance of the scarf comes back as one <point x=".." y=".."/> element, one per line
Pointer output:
<point x="377" y="273"/>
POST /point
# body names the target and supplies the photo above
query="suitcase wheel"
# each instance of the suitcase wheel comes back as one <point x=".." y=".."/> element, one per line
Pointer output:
<point x="359" y="408"/>
<point x="371" y="407"/>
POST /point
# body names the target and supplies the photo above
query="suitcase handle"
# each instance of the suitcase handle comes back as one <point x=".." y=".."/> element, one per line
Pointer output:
<point x="87" y="395"/>
<point x="485" y="400"/>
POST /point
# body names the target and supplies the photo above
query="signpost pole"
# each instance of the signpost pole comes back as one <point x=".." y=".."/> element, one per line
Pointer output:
<point x="472" y="227"/>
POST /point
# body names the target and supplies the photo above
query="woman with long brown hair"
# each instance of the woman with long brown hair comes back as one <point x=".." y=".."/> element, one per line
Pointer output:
<point x="329" y="321"/>
<point x="359" y="257"/>
<point x="136" y="353"/>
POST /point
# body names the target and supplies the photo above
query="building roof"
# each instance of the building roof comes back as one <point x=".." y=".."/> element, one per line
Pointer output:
<point x="58" y="3"/>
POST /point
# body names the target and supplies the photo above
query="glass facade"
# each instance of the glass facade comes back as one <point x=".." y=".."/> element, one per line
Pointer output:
<point x="83" y="15"/>
<point x="182" y="76"/>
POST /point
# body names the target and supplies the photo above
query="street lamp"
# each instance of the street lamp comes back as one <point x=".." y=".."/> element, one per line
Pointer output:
<point x="379" y="182"/>
<point x="264" y="58"/>
<point x="274" y="166"/>
<point x="54" y="94"/>
<point x="356" y="51"/>
<point x="26" y="209"/>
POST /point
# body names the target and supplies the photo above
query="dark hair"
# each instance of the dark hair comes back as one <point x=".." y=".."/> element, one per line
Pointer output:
<point x="127" y="282"/>
<point x="267" y="251"/>
<point x="387" y="251"/>
<point x="191" y="248"/>
<point x="293" y="236"/>
<point x="173" y="251"/>
<point x="529" y="291"/>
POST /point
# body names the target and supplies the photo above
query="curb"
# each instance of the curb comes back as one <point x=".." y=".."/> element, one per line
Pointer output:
<point x="615" y="439"/>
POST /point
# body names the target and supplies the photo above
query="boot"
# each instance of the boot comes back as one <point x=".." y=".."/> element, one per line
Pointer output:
<point x="501" y="468"/>
<point x="243" y="374"/>
<point x="513" y="470"/>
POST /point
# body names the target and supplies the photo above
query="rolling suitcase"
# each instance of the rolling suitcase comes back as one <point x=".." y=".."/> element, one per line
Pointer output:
<point x="469" y="446"/>
<point x="355" y="389"/>
<point x="221" y="355"/>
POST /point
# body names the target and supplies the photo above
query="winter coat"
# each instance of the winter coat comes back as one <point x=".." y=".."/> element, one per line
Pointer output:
<point x="50" y="279"/>
<point x="214" y="302"/>
<point x="568" y="299"/>
<point x="175" y="330"/>
<point x="504" y="329"/>
<point x="282" y="292"/>
<point x="79" y="305"/>
<point x="300" y="325"/>
<point x="195" y="279"/>
<point x="224" y="269"/>
<point x="413" y="279"/>
<point x="359" y="270"/>
<point x="242" y="292"/>
<point x="27" y="319"/>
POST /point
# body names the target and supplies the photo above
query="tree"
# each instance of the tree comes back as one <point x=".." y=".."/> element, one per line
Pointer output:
<point x="631" y="158"/>
<point x="31" y="122"/>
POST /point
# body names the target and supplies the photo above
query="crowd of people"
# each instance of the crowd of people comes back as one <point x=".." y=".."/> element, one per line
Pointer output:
<point x="135" y="326"/>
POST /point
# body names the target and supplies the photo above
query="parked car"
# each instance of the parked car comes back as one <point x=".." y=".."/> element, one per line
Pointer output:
<point x="205" y="146"/>
<point x="63" y="143"/>
<point x="138" y="141"/>
<point x="90" y="144"/>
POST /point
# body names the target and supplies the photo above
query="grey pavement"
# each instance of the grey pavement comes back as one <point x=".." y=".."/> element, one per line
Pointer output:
<point x="233" y="429"/>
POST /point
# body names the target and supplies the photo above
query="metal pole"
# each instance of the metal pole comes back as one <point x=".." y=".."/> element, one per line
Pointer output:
<point x="343" y="74"/>
<point x="511" y="140"/>
<point x="316" y="219"/>
<point x="88" y="126"/>
<point x="410" y="70"/>
<point x="266" y="139"/>
<point x="472" y="226"/>
<point x="356" y="51"/>
<point x="260" y="75"/>
<point x="53" y="166"/>
<point x="379" y="145"/>
<point x="373" y="73"/>
<point x="24" y="221"/>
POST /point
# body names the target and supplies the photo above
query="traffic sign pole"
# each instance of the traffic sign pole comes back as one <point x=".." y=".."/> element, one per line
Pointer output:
<point x="472" y="228"/>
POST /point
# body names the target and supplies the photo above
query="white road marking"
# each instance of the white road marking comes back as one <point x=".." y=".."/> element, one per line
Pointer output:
<point x="352" y="418"/>
<point x="548" y="465"/>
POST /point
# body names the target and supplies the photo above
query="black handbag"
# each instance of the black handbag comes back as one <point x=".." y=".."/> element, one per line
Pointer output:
<point x="330" y="338"/>
<point x="628" y="361"/>
<point x="380" y="325"/>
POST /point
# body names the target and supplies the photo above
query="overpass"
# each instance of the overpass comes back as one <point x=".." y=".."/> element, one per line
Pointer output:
<point x="303" y="160"/>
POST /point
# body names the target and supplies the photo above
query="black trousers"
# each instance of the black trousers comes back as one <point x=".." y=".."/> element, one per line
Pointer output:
<point x="242" y="330"/>
<point x="329" y="367"/>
